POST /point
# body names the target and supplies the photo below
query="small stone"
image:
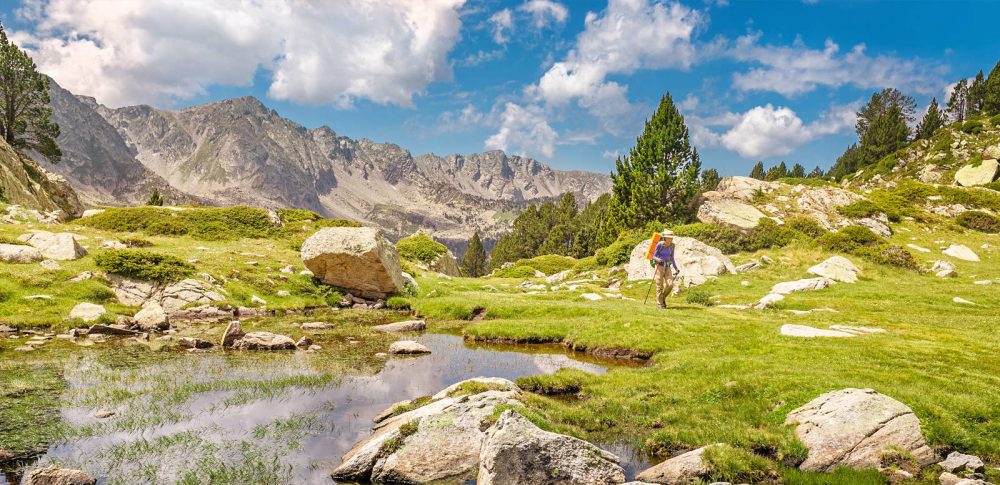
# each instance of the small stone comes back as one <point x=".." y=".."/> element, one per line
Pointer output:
<point x="315" y="326"/>
<point x="744" y="283"/>
<point x="768" y="301"/>
<point x="956" y="462"/>
<point x="104" y="414"/>
<point x="962" y="301"/>
<point x="405" y="326"/>
<point x="54" y="475"/>
<point x="256" y="300"/>
<point x="407" y="347"/>
<point x="49" y="264"/>
<point x="193" y="343"/>
<point x="233" y="332"/>
<point x="315" y="347"/>
<point x="304" y="342"/>
<point x="918" y="248"/>
<point x="591" y="296"/>
<point x="283" y="293"/>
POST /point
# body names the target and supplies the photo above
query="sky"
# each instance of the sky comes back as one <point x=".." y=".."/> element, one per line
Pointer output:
<point x="568" y="82"/>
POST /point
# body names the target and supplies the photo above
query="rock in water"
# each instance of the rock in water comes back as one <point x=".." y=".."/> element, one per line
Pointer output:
<point x="234" y="331"/>
<point x="20" y="254"/>
<point x="730" y="213"/>
<point x="685" y="468"/>
<point x="151" y="317"/>
<point x="837" y="268"/>
<point x="407" y="326"/>
<point x="60" y="246"/>
<point x="516" y="452"/>
<point x="193" y="343"/>
<point x="264" y="341"/>
<point x="962" y="252"/>
<point x="853" y="427"/>
<point x="53" y="475"/>
<point x="698" y="261"/>
<point x="407" y="347"/>
<point x="358" y="259"/>
<point x="981" y="174"/>
<point x="87" y="312"/>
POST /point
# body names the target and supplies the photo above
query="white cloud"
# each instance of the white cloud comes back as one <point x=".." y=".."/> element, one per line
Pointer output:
<point x="158" y="51"/>
<point x="524" y="131"/>
<point x="544" y="12"/>
<point x="503" y="22"/>
<point x="768" y="131"/>
<point x="797" y="68"/>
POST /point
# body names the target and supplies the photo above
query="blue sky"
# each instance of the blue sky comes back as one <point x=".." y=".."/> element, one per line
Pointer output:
<point x="566" y="82"/>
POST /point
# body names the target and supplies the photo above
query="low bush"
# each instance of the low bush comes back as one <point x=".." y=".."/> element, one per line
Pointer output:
<point x="768" y="234"/>
<point x="144" y="265"/>
<point x="549" y="264"/>
<point x="298" y="215"/>
<point x="134" y="242"/>
<point x="972" y="127"/>
<point x="336" y="223"/>
<point x="860" y="209"/>
<point x="806" y="225"/>
<point x="849" y="239"/>
<point x="616" y="253"/>
<point x="889" y="254"/>
<point x="208" y="223"/>
<point x="979" y="221"/>
<point x="308" y="286"/>
<point x="698" y="296"/>
<point x="515" y="271"/>
<point x="995" y="120"/>
<point x="420" y="247"/>
<point x="586" y="264"/>
<point x="972" y="197"/>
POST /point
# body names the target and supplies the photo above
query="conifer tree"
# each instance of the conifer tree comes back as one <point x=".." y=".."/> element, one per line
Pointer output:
<point x="24" y="103"/>
<point x="155" y="198"/>
<point x="886" y="134"/>
<point x="710" y="180"/>
<point x="474" y="261"/>
<point x="798" y="171"/>
<point x="758" y="171"/>
<point x="816" y="173"/>
<point x="991" y="92"/>
<point x="958" y="101"/>
<point x="658" y="178"/>
<point x="848" y="162"/>
<point x="880" y="104"/>
<point x="976" y="93"/>
<point x="933" y="120"/>
<point x="776" y="172"/>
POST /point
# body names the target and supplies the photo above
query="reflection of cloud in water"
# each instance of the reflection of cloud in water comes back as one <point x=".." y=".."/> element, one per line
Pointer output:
<point x="355" y="401"/>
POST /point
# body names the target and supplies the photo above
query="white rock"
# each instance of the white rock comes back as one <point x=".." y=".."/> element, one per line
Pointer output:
<point x="59" y="246"/>
<point x="956" y="462"/>
<point x="256" y="300"/>
<point x="87" y="312"/>
<point x="687" y="467"/>
<point x="591" y="296"/>
<point x="91" y="213"/>
<point x="809" y="284"/>
<point x="264" y="341"/>
<point x="806" y="331"/>
<point x="359" y="259"/>
<point x="837" y="268"/>
<point x="283" y="293"/>
<point x="918" y="248"/>
<point x="405" y="326"/>
<point x="730" y="213"/>
<point x="407" y="347"/>
<point x="49" y="264"/>
<point x="769" y="300"/>
<point x="982" y="174"/>
<point x="151" y="317"/>
<point x="962" y="252"/>
<point x="962" y="301"/>
<point x="19" y="254"/>
<point x="982" y="282"/>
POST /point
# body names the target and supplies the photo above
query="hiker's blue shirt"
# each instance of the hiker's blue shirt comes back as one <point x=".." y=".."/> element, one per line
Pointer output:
<point x="665" y="254"/>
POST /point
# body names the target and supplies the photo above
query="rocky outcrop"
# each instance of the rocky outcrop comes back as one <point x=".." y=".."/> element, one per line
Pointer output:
<point x="172" y="298"/>
<point x="957" y="462"/>
<point x="87" y="312"/>
<point x="263" y="341"/>
<point x="697" y="261"/>
<point x="32" y="190"/>
<point x="684" y="468"/>
<point x="809" y="284"/>
<point x="359" y="260"/>
<point x="730" y="213"/>
<point x="853" y="427"/>
<point x="151" y="317"/>
<point x="440" y="440"/>
<point x="837" y="268"/>
<point x="58" y="246"/>
<point x="822" y="204"/>
<point x="742" y="188"/>
<point x="53" y="475"/>
<point x="973" y="175"/>
<point x="445" y="264"/>
<point x="516" y="452"/>
<point x="19" y="254"/>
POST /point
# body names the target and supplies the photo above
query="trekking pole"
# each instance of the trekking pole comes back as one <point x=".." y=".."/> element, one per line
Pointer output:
<point x="644" y="300"/>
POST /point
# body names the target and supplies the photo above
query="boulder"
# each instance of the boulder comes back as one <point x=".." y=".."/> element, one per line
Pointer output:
<point x="808" y="284"/>
<point x="201" y="313"/>
<point x="435" y="442"/>
<point x="982" y="174"/>
<point x="742" y="188"/>
<point x="234" y="331"/>
<point x="99" y="329"/>
<point x="944" y="269"/>
<point x="960" y="251"/>
<point x="193" y="343"/>
<point x="878" y="223"/>
<point x="729" y="213"/>
<point x="315" y="326"/>
<point x="407" y="326"/>
<point x="822" y="203"/>
<point x="134" y="292"/>
<point x="358" y="259"/>
<point x="59" y="246"/>
<point x="19" y="254"/>
<point x="53" y="475"/>
<point x="151" y="317"/>
<point x="992" y="152"/>
<point x="407" y="347"/>
<point x="87" y="312"/>
<point x="187" y="291"/>
<point x="956" y="462"/>
<point x="837" y="268"/>
<point x="92" y="212"/>
<point x="263" y="341"/>
<point x="445" y="264"/>
<point x="853" y="427"/>
<point x="698" y="261"/>
<point x="684" y="468"/>
<point x="516" y="451"/>
<point x="769" y="300"/>
<point x="805" y="331"/>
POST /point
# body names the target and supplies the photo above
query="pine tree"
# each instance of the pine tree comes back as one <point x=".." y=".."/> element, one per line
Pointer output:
<point x="880" y="104"/>
<point x="798" y="171"/>
<point x="758" y="171"/>
<point x="155" y="199"/>
<point x="958" y="101"/>
<point x="589" y="236"/>
<point x="976" y="92"/>
<point x="933" y="120"/>
<point x="816" y="173"/>
<point x="710" y="180"/>
<point x="849" y="162"/>
<point x="991" y="92"/>
<point x="886" y="134"/>
<point x="658" y="178"/>
<point x="24" y="103"/>
<point x="474" y="260"/>
<point x="776" y="172"/>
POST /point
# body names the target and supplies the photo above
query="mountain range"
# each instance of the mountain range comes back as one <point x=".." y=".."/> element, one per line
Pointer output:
<point x="238" y="151"/>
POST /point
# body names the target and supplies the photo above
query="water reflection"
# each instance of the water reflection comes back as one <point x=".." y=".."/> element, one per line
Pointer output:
<point x="217" y="423"/>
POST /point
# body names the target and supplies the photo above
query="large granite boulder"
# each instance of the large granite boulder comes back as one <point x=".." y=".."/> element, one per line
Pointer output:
<point x="853" y="427"/>
<point x="151" y="317"/>
<point x="961" y="251"/>
<point x="516" y="452"/>
<point x="53" y="475"/>
<point x="58" y="246"/>
<point x="730" y="213"/>
<point x="821" y="204"/>
<point x="88" y="312"/>
<point x="684" y="468"/>
<point x="698" y="261"/>
<point x="742" y="188"/>
<point x="19" y="254"/>
<point x="446" y="264"/>
<point x="982" y="174"/>
<point x="263" y="341"/>
<point x="808" y="284"/>
<point x="837" y="268"/>
<point x="438" y="441"/>
<point x="358" y="259"/>
<point x="187" y="291"/>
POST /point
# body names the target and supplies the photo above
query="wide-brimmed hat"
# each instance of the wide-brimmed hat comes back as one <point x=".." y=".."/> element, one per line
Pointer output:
<point x="667" y="233"/>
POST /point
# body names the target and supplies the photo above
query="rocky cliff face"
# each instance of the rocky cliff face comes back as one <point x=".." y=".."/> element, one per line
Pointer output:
<point x="238" y="151"/>
<point x="24" y="183"/>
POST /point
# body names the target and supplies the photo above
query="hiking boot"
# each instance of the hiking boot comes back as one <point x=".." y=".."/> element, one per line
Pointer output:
<point x="662" y="307"/>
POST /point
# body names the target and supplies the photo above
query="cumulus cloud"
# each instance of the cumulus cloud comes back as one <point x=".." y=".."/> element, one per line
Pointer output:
<point x="796" y="68"/>
<point x="524" y="131"/>
<point x="158" y="51"/>
<point x="544" y="12"/>
<point x="768" y="131"/>
<point x="503" y="22"/>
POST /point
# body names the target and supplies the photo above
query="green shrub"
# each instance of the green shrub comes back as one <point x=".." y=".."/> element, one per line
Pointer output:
<point x="698" y="296"/>
<point x="979" y="221"/>
<point x="616" y="253"/>
<point x="586" y="264"/>
<point x="11" y="240"/>
<point x="298" y="215"/>
<point x="515" y="272"/>
<point x="859" y="210"/>
<point x="336" y="223"/>
<point x="308" y="286"/>
<point x="849" y="239"/>
<point x="806" y="225"/>
<point x="397" y="303"/>
<point x="944" y="140"/>
<point x="972" y="127"/>
<point x="144" y="265"/>
<point x="549" y="264"/>
<point x="134" y="242"/>
<point x="420" y="247"/>
<point x="889" y="254"/>
<point x="973" y="197"/>
<point x="995" y="120"/>
<point x="768" y="234"/>
<point x="208" y="223"/>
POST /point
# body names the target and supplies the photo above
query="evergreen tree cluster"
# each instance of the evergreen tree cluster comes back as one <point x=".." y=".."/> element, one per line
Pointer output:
<point x="781" y="170"/>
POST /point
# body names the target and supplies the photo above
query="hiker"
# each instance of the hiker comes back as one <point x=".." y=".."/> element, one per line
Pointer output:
<point x="663" y="276"/>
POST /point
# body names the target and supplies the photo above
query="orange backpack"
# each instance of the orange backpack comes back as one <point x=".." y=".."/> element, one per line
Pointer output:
<point x="652" y="247"/>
